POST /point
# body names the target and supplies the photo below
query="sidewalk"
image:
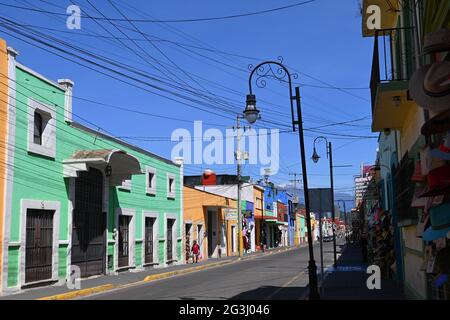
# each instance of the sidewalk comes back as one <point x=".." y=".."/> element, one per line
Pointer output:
<point x="348" y="280"/>
<point x="108" y="282"/>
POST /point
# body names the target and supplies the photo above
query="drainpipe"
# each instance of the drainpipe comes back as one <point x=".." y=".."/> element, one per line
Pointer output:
<point x="180" y="161"/>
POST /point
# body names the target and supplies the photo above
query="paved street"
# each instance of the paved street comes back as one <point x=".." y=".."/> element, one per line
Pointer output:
<point x="274" y="276"/>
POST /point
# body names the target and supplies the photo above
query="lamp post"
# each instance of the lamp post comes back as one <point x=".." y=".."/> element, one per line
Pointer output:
<point x="251" y="114"/>
<point x="264" y="71"/>
<point x="315" y="157"/>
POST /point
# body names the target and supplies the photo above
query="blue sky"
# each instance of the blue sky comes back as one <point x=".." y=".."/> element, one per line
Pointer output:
<point x="319" y="40"/>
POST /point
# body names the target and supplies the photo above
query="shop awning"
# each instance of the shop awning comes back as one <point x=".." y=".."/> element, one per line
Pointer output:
<point x="123" y="165"/>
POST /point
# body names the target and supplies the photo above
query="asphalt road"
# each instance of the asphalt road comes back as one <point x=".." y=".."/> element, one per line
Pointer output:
<point x="273" y="276"/>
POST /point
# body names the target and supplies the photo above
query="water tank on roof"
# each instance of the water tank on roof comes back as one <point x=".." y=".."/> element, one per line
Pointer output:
<point x="209" y="178"/>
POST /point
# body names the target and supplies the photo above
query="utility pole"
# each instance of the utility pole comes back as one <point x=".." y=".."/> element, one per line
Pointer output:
<point x="294" y="181"/>
<point x="333" y="225"/>
<point x="239" y="156"/>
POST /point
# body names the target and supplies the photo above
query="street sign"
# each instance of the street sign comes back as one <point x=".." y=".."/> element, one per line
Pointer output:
<point x="320" y="200"/>
<point x="230" y="214"/>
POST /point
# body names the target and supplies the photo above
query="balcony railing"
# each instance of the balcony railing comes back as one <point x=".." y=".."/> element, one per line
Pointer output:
<point x="393" y="57"/>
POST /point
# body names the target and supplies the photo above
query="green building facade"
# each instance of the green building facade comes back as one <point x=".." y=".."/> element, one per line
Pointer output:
<point x="79" y="201"/>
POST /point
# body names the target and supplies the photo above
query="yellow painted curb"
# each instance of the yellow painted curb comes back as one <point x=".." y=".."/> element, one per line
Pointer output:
<point x="79" y="293"/>
<point x="107" y="287"/>
<point x="154" y="277"/>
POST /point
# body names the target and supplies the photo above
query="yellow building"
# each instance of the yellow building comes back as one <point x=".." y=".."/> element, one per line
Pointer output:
<point x="211" y="220"/>
<point x="258" y="200"/>
<point x="4" y="100"/>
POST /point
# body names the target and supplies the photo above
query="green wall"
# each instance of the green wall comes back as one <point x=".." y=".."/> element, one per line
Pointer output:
<point x="40" y="178"/>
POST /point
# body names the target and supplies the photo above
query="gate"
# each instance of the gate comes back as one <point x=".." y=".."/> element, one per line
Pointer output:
<point x="39" y="245"/>
<point x="124" y="240"/>
<point x="170" y="223"/>
<point x="88" y="224"/>
<point x="149" y="239"/>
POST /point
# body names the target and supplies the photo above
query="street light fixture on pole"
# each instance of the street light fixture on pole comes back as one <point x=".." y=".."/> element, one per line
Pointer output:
<point x="264" y="71"/>
<point x="315" y="157"/>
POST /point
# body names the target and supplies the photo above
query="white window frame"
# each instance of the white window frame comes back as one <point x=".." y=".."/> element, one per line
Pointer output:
<point x="148" y="189"/>
<point x="126" y="185"/>
<point x="48" y="146"/>
<point x="131" y="238"/>
<point x="171" y="195"/>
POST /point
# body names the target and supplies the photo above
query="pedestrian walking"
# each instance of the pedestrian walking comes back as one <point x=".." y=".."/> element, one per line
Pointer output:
<point x="195" y="251"/>
<point x="263" y="240"/>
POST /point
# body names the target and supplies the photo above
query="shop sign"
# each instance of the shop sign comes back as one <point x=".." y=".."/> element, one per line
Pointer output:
<point x="230" y="214"/>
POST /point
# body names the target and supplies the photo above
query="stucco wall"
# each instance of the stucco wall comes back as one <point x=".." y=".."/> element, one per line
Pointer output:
<point x="411" y="129"/>
<point x="3" y="140"/>
<point x="41" y="178"/>
<point x="415" y="281"/>
<point x="195" y="204"/>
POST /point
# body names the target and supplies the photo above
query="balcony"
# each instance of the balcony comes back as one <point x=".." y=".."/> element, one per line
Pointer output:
<point x="392" y="66"/>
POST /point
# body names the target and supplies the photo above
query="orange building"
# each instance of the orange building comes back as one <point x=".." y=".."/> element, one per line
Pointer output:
<point x="4" y="98"/>
<point x="258" y="200"/>
<point x="212" y="221"/>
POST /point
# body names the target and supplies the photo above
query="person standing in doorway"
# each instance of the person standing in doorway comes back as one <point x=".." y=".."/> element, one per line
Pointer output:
<point x="196" y="251"/>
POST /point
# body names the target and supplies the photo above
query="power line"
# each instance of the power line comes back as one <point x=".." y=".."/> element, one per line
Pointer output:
<point x="170" y="20"/>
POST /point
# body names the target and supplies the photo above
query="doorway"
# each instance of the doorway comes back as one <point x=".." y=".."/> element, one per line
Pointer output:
<point x="124" y="241"/>
<point x="212" y="232"/>
<point x="89" y="224"/>
<point x="200" y="237"/>
<point x="39" y="245"/>
<point x="188" y="245"/>
<point x="148" y="234"/>
<point x="170" y="223"/>
<point x="233" y="239"/>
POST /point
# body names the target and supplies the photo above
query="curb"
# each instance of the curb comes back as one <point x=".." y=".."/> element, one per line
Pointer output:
<point x="154" y="277"/>
<point x="79" y="293"/>
<point x="164" y="275"/>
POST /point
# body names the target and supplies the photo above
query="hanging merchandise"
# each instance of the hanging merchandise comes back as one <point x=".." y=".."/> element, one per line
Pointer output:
<point x="429" y="85"/>
<point x="442" y="267"/>
<point x="423" y="225"/>
<point x="438" y="124"/>
<point x="417" y="175"/>
<point x="440" y="222"/>
<point x="438" y="182"/>
<point x="431" y="266"/>
<point x="442" y="152"/>
<point x="428" y="255"/>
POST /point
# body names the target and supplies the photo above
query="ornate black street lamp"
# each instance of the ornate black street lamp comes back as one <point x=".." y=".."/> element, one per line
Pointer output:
<point x="315" y="157"/>
<point x="265" y="71"/>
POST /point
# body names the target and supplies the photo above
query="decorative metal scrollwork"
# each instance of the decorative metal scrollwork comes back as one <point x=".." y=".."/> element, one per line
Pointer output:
<point x="271" y="70"/>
